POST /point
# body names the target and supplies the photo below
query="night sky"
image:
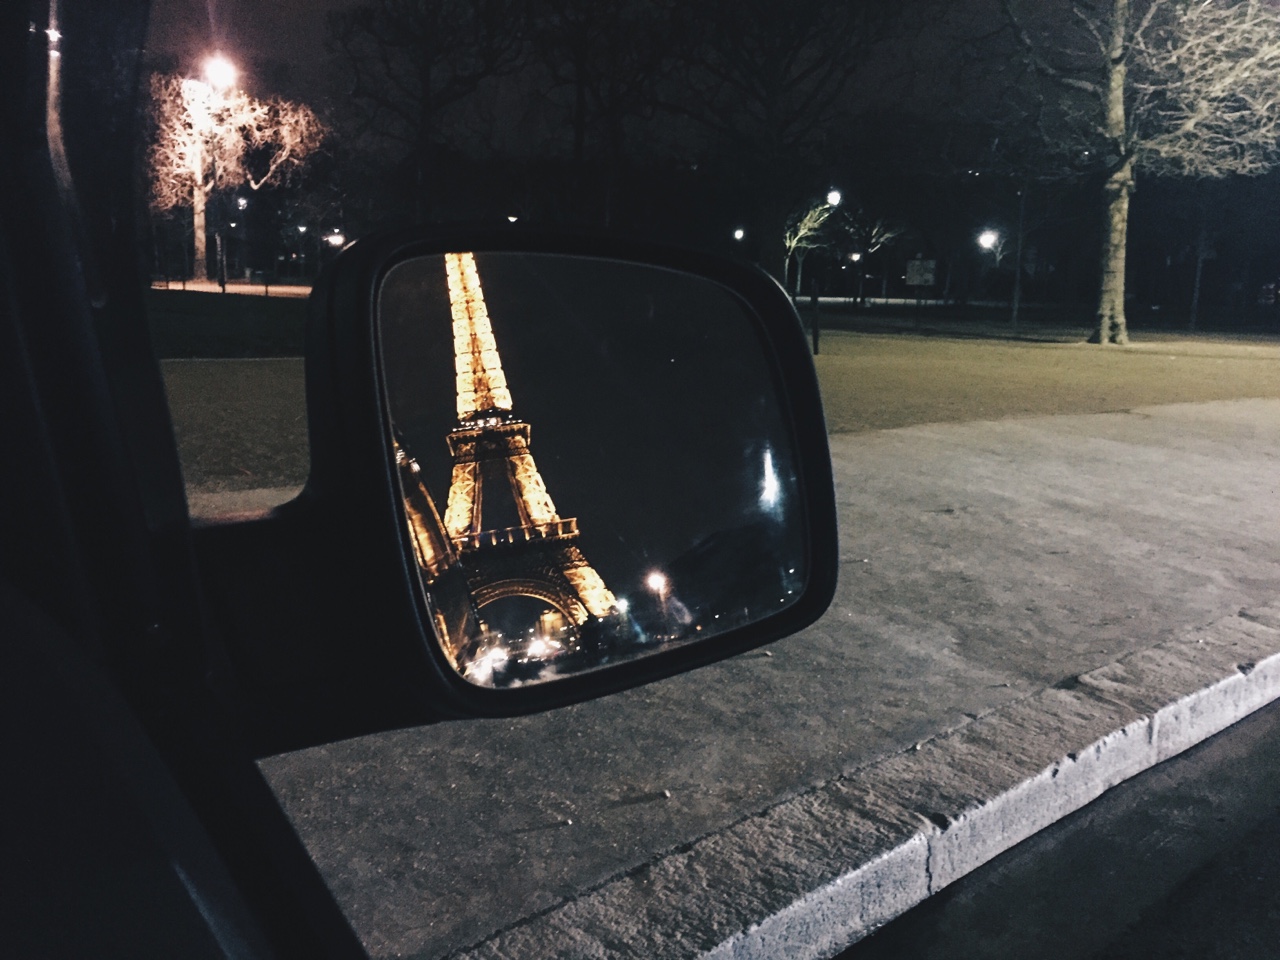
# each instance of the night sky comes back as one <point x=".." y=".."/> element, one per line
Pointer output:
<point x="284" y="31"/>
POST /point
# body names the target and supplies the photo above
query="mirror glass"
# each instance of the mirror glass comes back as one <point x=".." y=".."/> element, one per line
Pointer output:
<point x="591" y="457"/>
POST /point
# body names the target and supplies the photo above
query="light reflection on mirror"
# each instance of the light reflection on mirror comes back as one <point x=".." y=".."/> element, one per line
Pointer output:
<point x="605" y="441"/>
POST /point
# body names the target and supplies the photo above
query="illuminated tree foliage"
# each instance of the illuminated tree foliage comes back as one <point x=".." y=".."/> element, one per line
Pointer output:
<point x="207" y="140"/>
<point x="1187" y="88"/>
<point x="805" y="233"/>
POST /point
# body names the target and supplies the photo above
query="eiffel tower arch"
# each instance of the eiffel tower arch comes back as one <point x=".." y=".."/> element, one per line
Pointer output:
<point x="500" y="518"/>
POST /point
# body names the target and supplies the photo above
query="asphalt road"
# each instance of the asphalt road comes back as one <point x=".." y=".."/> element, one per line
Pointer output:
<point x="1182" y="861"/>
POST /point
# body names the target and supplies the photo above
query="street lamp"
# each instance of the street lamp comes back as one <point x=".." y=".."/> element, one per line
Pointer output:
<point x="992" y="241"/>
<point x="739" y="234"/>
<point x="220" y="73"/>
<point x="834" y="197"/>
<point x="658" y="583"/>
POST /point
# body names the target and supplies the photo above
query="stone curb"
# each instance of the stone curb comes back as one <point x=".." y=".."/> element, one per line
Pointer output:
<point x="816" y="873"/>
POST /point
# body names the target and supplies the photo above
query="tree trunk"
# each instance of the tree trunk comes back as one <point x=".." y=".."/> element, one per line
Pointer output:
<point x="1112" y="327"/>
<point x="771" y="228"/>
<point x="579" y="121"/>
<point x="424" y="193"/>
<point x="1016" y="303"/>
<point x="1202" y="253"/>
<point x="200" y="261"/>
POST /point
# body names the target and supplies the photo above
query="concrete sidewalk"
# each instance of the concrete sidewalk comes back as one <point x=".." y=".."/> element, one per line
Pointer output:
<point x="1029" y="612"/>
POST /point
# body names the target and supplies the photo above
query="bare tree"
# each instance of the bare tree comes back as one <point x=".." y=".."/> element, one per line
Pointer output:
<point x="207" y="139"/>
<point x="1172" y="87"/>
<point x="770" y="80"/>
<point x="863" y="233"/>
<point x="867" y="235"/>
<point x="607" y="54"/>
<point x="409" y="61"/>
<point x="804" y="233"/>
<point x="837" y="227"/>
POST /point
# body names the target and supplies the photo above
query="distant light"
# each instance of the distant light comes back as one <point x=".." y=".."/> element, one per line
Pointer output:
<point x="622" y="605"/>
<point x="834" y="198"/>
<point x="335" y="239"/>
<point x="232" y="224"/>
<point x="53" y="34"/>
<point x="855" y="257"/>
<point x="241" y="203"/>
<point x="220" y="72"/>
<point x="770" y="487"/>
<point x="987" y="239"/>
<point x="656" y="582"/>
<point x="302" y="228"/>
<point x="739" y="234"/>
<point x="512" y="219"/>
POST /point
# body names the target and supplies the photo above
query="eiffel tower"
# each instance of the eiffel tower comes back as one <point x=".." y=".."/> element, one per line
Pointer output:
<point x="500" y="518"/>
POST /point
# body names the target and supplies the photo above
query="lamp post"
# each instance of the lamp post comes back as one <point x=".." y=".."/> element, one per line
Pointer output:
<point x="856" y="259"/>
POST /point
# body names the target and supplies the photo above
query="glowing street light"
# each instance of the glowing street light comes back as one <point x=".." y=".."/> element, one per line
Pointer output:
<point x="855" y="257"/>
<point x="833" y="198"/>
<point x="739" y="234"/>
<point x="993" y="242"/>
<point x="659" y="584"/>
<point x="335" y="239"/>
<point x="220" y="73"/>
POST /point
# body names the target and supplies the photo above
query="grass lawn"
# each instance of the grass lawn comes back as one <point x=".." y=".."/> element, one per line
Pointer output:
<point x="187" y="323"/>
<point x="241" y="424"/>
<point x="875" y="382"/>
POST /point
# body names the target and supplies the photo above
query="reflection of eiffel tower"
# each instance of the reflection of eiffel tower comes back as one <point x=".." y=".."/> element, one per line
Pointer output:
<point x="500" y="518"/>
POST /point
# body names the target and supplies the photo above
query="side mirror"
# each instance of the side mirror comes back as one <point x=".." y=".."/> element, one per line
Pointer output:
<point x="596" y="463"/>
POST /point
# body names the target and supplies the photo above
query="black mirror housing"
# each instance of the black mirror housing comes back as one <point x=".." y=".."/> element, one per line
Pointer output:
<point x="477" y="614"/>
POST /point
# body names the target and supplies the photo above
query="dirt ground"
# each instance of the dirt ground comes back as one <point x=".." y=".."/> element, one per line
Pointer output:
<point x="241" y="424"/>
